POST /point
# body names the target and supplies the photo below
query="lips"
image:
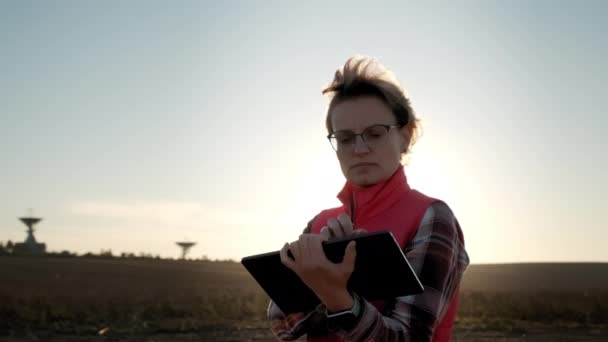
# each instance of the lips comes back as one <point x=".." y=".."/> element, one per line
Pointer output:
<point x="361" y="165"/>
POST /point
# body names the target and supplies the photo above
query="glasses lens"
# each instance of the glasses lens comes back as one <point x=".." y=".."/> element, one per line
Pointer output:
<point x="374" y="135"/>
<point x="333" y="142"/>
<point x="342" y="139"/>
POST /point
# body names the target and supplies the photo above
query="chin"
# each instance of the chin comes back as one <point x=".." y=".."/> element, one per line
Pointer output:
<point x="363" y="180"/>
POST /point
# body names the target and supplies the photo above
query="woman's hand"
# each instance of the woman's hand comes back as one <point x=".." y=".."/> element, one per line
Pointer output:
<point x="326" y="279"/>
<point x="341" y="227"/>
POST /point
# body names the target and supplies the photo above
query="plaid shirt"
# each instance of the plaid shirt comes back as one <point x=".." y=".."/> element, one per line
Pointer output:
<point x="437" y="255"/>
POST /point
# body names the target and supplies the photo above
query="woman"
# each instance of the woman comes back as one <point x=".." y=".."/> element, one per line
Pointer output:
<point x="371" y="127"/>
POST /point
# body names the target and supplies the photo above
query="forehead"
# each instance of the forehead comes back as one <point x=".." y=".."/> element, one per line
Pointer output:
<point x="359" y="113"/>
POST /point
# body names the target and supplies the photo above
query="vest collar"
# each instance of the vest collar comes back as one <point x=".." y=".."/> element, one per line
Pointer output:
<point x="370" y="201"/>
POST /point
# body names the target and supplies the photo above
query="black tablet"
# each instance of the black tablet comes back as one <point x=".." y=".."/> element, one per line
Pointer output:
<point x="381" y="272"/>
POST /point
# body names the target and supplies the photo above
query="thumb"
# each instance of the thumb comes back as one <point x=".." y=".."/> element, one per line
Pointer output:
<point x="359" y="231"/>
<point x="350" y="255"/>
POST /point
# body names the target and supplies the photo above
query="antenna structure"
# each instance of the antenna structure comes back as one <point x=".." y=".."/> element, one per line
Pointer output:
<point x="30" y="245"/>
<point x="185" y="246"/>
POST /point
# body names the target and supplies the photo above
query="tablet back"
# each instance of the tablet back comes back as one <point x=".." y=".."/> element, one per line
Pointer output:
<point x="381" y="272"/>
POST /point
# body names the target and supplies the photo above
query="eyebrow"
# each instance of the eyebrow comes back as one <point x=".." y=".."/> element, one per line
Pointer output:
<point x="372" y="125"/>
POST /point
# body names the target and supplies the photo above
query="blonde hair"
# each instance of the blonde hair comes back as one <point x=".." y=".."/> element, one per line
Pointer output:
<point x="365" y="76"/>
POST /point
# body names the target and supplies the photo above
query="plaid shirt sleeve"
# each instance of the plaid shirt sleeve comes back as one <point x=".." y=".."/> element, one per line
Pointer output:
<point x="437" y="255"/>
<point x="289" y="327"/>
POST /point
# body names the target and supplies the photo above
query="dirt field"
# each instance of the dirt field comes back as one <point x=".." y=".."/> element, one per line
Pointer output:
<point x="260" y="333"/>
<point x="72" y="299"/>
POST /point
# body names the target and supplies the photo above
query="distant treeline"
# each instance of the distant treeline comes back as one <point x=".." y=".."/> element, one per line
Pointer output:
<point x="8" y="248"/>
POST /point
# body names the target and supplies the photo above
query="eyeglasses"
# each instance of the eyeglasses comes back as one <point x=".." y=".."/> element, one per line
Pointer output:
<point x="372" y="136"/>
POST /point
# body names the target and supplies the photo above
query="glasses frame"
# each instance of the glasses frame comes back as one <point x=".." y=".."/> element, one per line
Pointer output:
<point x="333" y="134"/>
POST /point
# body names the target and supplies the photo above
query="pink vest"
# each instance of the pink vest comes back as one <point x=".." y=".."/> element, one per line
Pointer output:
<point x="393" y="206"/>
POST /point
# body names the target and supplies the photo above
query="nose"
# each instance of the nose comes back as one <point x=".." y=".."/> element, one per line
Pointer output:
<point x="360" y="145"/>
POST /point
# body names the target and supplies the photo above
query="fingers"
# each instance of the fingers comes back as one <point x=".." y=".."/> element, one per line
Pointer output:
<point x="315" y="245"/>
<point x="309" y="247"/>
<point x="295" y="249"/>
<point x="285" y="259"/>
<point x="350" y="255"/>
<point x="340" y="227"/>
<point x="325" y="233"/>
<point x="345" y="222"/>
<point x="335" y="228"/>
<point x="305" y="246"/>
<point x="359" y="231"/>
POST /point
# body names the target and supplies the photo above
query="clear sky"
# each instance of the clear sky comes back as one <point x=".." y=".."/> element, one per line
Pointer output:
<point x="132" y="125"/>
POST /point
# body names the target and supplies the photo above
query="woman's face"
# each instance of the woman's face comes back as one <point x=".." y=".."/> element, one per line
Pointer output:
<point x="362" y="164"/>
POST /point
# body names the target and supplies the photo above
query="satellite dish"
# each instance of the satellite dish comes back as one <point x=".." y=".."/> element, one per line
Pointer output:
<point x="185" y="247"/>
<point x="30" y="245"/>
